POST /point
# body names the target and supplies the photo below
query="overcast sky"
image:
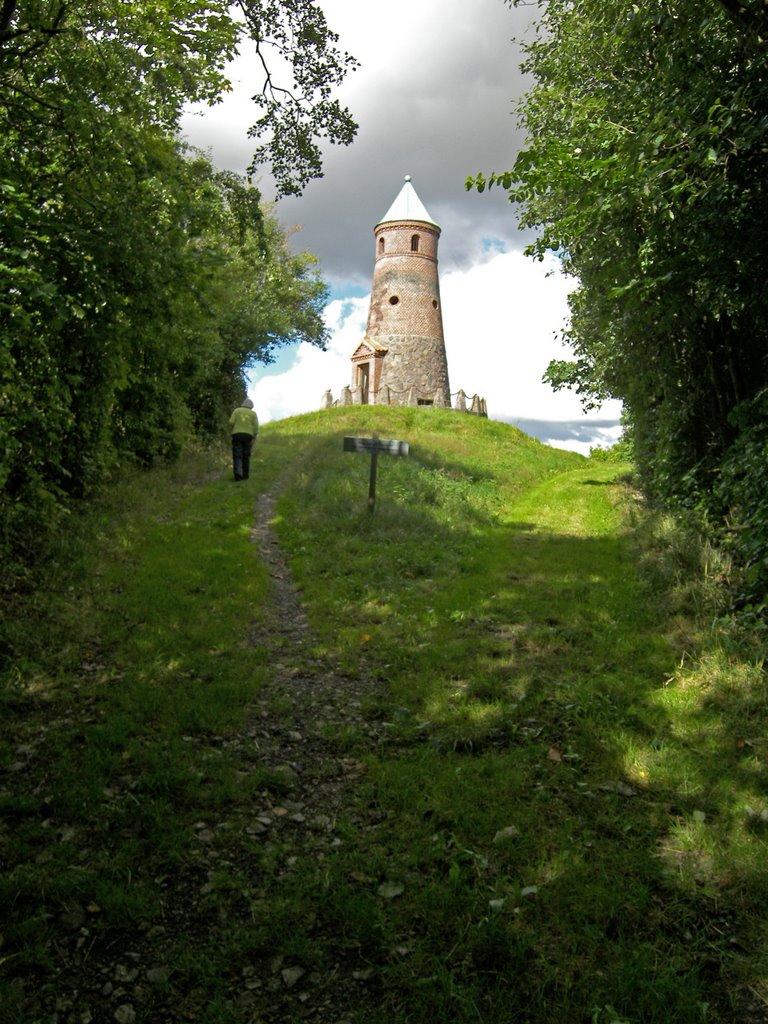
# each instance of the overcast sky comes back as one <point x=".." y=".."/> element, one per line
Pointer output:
<point x="434" y="99"/>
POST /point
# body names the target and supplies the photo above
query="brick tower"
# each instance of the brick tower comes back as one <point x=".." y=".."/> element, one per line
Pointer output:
<point x="401" y="360"/>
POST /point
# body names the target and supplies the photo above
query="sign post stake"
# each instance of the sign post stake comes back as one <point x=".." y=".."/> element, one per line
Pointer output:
<point x="372" y="481"/>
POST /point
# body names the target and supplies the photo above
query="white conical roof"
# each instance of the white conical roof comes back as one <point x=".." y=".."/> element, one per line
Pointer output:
<point x="407" y="206"/>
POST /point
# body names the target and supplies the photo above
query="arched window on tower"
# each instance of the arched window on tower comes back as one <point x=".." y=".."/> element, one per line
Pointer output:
<point x="414" y="243"/>
<point x="381" y="245"/>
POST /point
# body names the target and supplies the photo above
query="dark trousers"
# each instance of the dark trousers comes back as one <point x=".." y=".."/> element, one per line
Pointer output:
<point x="241" y="455"/>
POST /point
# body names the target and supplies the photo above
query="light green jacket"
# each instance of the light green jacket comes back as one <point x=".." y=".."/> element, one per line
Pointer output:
<point x="244" y="421"/>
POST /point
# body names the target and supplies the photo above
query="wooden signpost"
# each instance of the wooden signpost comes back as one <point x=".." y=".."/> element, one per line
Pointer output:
<point x="374" y="446"/>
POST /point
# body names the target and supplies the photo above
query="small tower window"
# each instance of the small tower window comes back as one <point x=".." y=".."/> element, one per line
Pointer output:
<point x="434" y="303"/>
<point x="393" y="300"/>
<point x="381" y="245"/>
<point x="414" y="243"/>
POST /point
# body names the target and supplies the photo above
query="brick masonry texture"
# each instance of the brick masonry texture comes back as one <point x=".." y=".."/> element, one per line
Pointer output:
<point x="405" y="315"/>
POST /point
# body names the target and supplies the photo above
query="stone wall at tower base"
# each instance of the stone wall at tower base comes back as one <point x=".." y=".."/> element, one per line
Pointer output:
<point x="474" y="406"/>
<point x="409" y="363"/>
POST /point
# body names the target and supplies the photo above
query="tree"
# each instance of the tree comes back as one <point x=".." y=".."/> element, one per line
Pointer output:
<point x="136" y="282"/>
<point x="265" y="297"/>
<point x="146" y="59"/>
<point x="645" y="169"/>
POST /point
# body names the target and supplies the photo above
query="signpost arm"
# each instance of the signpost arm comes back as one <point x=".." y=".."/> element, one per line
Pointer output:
<point x="374" y="446"/>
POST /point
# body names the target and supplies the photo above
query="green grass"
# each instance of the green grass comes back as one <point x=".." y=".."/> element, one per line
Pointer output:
<point x="132" y="667"/>
<point x="568" y="795"/>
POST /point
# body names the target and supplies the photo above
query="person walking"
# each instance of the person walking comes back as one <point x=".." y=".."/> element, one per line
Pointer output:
<point x="245" y="426"/>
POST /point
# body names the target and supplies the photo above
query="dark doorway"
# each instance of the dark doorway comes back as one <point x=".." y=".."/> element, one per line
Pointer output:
<point x="364" y="380"/>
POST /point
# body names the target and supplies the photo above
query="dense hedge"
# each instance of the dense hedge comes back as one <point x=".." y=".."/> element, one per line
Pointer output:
<point x="646" y="170"/>
<point x="741" y="494"/>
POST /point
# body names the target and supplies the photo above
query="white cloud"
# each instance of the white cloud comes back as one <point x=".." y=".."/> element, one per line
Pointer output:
<point x="501" y="319"/>
<point x="300" y="388"/>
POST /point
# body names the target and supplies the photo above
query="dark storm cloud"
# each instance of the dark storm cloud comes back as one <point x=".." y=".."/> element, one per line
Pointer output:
<point x="439" y="109"/>
<point x="434" y="99"/>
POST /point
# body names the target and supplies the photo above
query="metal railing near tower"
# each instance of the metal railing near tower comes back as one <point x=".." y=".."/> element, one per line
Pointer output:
<point x="461" y="402"/>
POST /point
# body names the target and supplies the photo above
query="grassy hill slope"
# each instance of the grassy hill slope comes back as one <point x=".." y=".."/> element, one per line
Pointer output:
<point x="555" y="813"/>
<point x="430" y="542"/>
